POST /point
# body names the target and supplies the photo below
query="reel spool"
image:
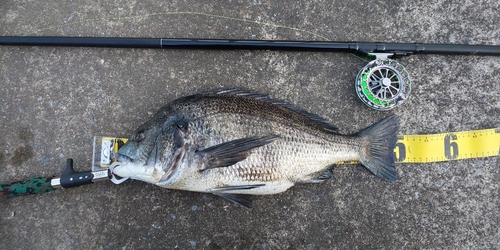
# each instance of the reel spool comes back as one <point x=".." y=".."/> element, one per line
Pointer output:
<point x="383" y="84"/>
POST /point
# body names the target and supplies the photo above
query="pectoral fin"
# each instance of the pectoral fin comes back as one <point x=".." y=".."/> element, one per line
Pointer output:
<point x="229" y="153"/>
<point x="234" y="188"/>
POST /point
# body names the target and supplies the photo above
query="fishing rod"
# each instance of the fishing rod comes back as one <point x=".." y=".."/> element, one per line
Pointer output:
<point x="382" y="84"/>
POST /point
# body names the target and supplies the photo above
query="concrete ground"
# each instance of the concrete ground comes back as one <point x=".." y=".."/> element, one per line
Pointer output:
<point x="54" y="100"/>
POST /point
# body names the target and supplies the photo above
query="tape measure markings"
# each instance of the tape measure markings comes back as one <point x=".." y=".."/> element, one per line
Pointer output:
<point x="448" y="146"/>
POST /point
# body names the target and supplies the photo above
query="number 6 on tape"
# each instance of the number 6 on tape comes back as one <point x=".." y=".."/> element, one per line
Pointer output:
<point x="447" y="146"/>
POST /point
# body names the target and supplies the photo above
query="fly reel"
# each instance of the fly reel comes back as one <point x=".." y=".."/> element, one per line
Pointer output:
<point x="383" y="84"/>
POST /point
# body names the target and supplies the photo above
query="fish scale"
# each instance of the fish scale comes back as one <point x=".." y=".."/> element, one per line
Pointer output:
<point x="234" y="143"/>
<point x="296" y="147"/>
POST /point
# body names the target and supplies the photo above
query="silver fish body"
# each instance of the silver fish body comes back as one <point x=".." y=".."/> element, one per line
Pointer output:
<point x="234" y="143"/>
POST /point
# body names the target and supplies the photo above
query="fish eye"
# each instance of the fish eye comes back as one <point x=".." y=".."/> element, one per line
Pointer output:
<point x="139" y="137"/>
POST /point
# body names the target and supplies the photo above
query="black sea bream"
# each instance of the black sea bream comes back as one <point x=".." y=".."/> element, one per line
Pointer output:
<point x="235" y="143"/>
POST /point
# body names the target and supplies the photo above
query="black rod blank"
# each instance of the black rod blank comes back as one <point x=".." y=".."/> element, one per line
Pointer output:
<point x="397" y="49"/>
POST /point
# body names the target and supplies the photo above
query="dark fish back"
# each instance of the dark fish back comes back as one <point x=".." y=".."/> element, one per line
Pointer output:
<point x="253" y="104"/>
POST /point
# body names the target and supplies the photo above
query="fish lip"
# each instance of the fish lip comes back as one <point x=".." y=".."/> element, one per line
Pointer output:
<point x="123" y="158"/>
<point x="121" y="161"/>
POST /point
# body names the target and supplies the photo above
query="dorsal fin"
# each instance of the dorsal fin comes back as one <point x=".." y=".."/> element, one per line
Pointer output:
<point x="265" y="98"/>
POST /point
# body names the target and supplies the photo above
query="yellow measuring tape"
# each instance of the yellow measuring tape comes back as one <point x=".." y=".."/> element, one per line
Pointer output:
<point x="445" y="146"/>
<point x="448" y="146"/>
<point x="427" y="148"/>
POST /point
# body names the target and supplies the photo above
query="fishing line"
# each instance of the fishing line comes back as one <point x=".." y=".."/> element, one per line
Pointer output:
<point x="119" y="18"/>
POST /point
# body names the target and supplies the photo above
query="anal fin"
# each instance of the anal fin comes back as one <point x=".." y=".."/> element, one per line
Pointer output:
<point x="240" y="199"/>
<point x="322" y="176"/>
<point x="229" y="153"/>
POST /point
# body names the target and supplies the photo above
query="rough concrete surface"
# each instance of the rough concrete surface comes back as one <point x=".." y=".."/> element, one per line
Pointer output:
<point x="54" y="100"/>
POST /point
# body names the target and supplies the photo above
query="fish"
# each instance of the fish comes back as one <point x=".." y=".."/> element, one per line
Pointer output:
<point x="238" y="143"/>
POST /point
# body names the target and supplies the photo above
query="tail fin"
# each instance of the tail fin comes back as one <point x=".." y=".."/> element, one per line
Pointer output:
<point x="381" y="138"/>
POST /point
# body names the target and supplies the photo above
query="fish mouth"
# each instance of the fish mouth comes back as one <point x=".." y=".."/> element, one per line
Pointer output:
<point x="123" y="158"/>
<point x="121" y="161"/>
<point x="128" y="166"/>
